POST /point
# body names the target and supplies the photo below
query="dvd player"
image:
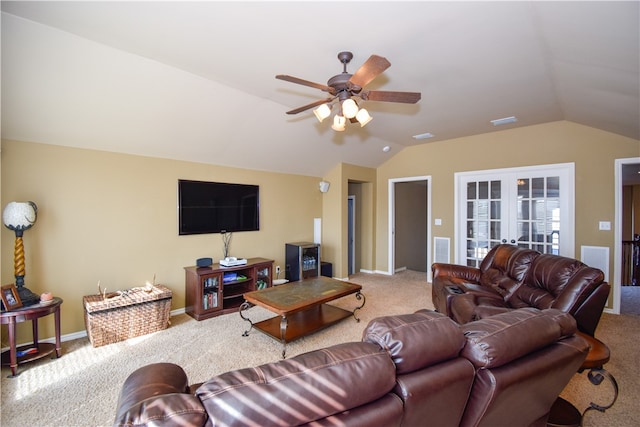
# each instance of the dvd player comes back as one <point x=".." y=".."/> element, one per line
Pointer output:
<point x="231" y="261"/>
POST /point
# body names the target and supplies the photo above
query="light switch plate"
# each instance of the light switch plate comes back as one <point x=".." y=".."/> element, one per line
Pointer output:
<point x="605" y="225"/>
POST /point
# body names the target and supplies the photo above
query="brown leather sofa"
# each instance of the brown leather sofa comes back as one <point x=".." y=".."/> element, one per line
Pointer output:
<point x="417" y="369"/>
<point x="510" y="277"/>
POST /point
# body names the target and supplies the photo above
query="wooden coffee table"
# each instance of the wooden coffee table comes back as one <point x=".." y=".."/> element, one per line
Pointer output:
<point x="301" y="307"/>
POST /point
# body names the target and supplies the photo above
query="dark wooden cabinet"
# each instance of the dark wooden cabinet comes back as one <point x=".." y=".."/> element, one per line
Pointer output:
<point x="214" y="290"/>
<point x="302" y="261"/>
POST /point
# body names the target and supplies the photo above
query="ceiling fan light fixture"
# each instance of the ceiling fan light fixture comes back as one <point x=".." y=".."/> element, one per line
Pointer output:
<point x="363" y="117"/>
<point x="349" y="108"/>
<point x="322" y="112"/>
<point x="339" y="123"/>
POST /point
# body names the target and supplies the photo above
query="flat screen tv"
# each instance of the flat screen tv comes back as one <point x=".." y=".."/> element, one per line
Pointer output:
<point x="216" y="207"/>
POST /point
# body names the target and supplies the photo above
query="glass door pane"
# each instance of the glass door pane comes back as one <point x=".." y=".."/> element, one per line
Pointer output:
<point x="538" y="214"/>
<point x="483" y="219"/>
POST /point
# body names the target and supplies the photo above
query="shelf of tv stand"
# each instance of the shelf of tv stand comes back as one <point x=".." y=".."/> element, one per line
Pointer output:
<point x="230" y="294"/>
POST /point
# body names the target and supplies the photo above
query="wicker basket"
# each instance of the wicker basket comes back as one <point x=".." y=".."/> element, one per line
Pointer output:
<point x="133" y="313"/>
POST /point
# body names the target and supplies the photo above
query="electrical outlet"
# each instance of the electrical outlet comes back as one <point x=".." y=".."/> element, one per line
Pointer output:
<point x="277" y="269"/>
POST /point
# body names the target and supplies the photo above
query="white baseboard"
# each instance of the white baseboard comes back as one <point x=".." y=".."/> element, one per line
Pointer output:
<point x="386" y="273"/>
<point x="81" y="334"/>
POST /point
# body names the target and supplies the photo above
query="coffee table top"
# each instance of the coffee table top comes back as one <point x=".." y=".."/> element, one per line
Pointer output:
<point x="296" y="296"/>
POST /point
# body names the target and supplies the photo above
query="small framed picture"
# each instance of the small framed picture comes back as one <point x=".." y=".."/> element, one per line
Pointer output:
<point x="10" y="297"/>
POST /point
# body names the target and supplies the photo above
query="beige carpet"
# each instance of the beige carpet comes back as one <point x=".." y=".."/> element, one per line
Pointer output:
<point x="81" y="388"/>
<point x="630" y="300"/>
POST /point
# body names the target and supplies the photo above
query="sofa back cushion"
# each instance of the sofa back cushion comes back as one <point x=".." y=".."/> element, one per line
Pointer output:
<point x="425" y="347"/>
<point x="523" y="391"/>
<point x="500" y="339"/>
<point x="524" y="359"/>
<point x="416" y="340"/>
<point x="556" y="282"/>
<point x="301" y="389"/>
<point x="505" y="267"/>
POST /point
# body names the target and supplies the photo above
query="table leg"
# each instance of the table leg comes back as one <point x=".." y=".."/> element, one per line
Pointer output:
<point x="246" y="306"/>
<point x="283" y="335"/>
<point x="13" y="357"/>
<point x="596" y="376"/>
<point x="34" y="329"/>
<point x="56" y="316"/>
<point x="359" y="296"/>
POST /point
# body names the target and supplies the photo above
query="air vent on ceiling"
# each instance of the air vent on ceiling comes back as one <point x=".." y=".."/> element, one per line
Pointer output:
<point x="504" y="121"/>
<point x="423" y="136"/>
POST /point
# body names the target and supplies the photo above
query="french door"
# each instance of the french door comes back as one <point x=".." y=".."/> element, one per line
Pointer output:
<point x="531" y="207"/>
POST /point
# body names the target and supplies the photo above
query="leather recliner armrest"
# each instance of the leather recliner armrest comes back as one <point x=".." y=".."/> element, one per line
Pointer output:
<point x="468" y="274"/>
<point x="158" y="394"/>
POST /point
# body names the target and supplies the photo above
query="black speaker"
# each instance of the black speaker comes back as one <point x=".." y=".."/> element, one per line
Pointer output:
<point x="204" y="262"/>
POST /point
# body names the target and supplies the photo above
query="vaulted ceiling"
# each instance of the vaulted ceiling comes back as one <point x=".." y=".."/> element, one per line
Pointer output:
<point x="196" y="80"/>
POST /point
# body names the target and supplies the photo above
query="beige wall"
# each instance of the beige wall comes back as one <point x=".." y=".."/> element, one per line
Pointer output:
<point x="334" y="217"/>
<point x="113" y="218"/>
<point x="593" y="152"/>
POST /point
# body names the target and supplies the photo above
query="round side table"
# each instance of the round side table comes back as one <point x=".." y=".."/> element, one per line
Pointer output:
<point x="563" y="413"/>
<point x="30" y="352"/>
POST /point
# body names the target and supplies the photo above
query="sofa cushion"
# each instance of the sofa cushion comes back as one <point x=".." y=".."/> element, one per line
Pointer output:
<point x="499" y="339"/>
<point x="504" y="268"/>
<point x="416" y="340"/>
<point x="301" y="389"/>
<point x="557" y="282"/>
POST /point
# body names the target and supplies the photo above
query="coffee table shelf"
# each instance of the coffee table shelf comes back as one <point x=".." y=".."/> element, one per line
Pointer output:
<point x="300" y="307"/>
<point x="303" y="323"/>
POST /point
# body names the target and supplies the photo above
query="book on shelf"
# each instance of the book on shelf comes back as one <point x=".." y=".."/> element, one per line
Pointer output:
<point x="210" y="300"/>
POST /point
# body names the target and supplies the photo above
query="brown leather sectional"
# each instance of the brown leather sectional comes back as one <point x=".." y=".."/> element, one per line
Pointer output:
<point x="419" y="369"/>
<point x="510" y="277"/>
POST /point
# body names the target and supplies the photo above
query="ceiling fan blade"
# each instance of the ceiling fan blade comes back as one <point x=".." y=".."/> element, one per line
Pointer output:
<point x="308" y="106"/>
<point x="389" y="96"/>
<point x="305" y="83"/>
<point x="374" y="66"/>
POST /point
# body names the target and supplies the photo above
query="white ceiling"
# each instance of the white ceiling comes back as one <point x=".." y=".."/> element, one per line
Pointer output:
<point x="196" y="80"/>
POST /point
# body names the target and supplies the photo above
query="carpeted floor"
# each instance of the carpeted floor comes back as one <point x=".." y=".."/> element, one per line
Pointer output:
<point x="81" y="388"/>
<point x="630" y="300"/>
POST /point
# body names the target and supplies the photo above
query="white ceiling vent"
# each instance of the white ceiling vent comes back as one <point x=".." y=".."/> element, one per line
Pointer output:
<point x="423" y="136"/>
<point x="504" y="121"/>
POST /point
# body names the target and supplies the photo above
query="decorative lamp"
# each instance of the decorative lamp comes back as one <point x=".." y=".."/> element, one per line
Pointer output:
<point x="20" y="216"/>
<point x="363" y="117"/>
<point x="349" y="108"/>
<point x="339" y="123"/>
<point x="322" y="112"/>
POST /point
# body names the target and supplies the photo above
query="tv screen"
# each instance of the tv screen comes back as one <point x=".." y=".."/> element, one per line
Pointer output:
<point x="215" y="207"/>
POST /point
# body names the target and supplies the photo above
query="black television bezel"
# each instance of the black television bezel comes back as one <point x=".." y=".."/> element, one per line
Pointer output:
<point x="250" y="188"/>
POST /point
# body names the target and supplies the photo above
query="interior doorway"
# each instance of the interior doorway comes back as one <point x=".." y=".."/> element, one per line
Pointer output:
<point x="409" y="224"/>
<point x="626" y="224"/>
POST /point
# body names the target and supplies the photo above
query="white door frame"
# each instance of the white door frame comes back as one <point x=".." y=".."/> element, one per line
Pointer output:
<point x="617" y="238"/>
<point x="351" y="234"/>
<point x="568" y="223"/>
<point x="392" y="220"/>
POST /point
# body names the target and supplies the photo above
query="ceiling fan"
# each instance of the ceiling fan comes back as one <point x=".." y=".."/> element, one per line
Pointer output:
<point x="344" y="86"/>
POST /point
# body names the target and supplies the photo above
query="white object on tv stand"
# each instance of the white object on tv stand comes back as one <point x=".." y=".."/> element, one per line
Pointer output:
<point x="232" y="261"/>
